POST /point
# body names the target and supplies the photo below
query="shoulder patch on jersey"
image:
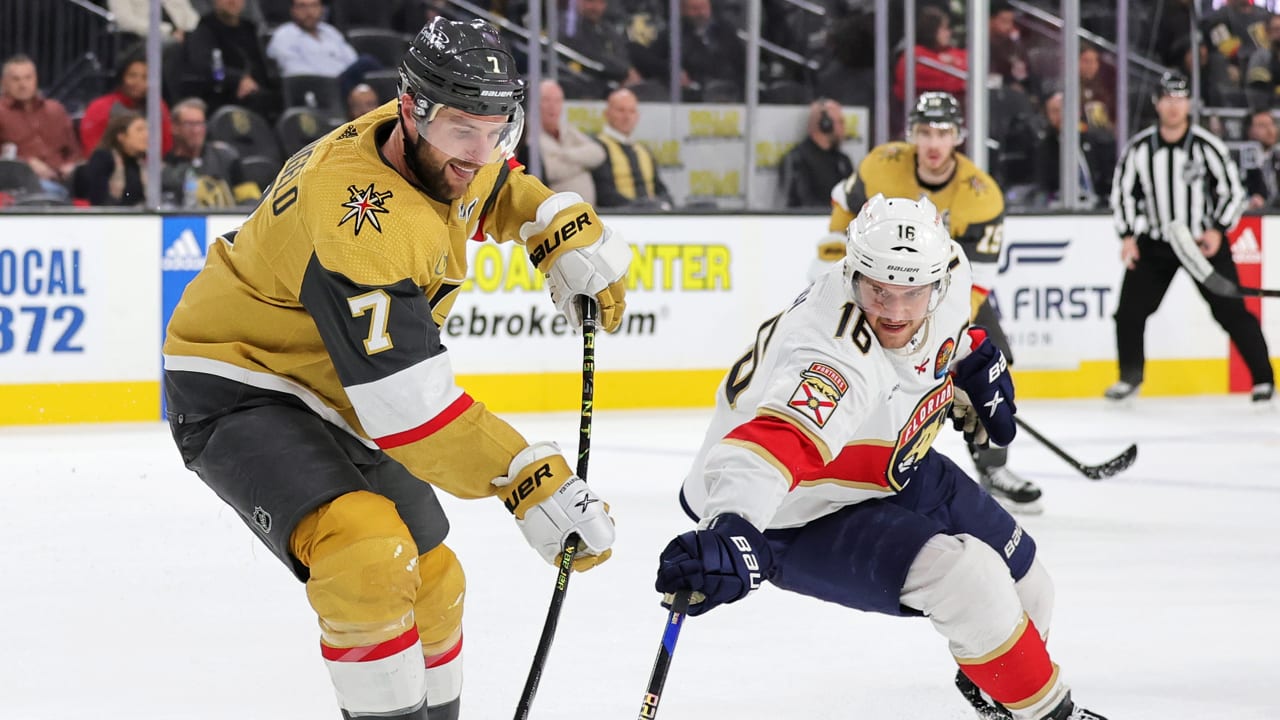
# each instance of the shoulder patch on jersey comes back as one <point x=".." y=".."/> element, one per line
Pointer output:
<point x="348" y="133"/>
<point x="820" y="389"/>
<point x="977" y="184"/>
<point x="892" y="151"/>
<point x="943" y="360"/>
<point x="365" y="205"/>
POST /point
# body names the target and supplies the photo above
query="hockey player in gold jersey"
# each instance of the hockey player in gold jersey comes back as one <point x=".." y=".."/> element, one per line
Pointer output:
<point x="972" y="206"/>
<point x="307" y="384"/>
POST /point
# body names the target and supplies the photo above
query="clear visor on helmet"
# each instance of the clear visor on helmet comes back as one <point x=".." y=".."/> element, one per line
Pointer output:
<point x="897" y="303"/>
<point x="474" y="139"/>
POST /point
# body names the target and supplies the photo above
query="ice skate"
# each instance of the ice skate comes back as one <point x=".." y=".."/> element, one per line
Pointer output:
<point x="1014" y="492"/>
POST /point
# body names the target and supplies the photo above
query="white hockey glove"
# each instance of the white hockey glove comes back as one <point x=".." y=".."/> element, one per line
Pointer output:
<point x="965" y="419"/>
<point x="579" y="255"/>
<point x="551" y="503"/>
<point x="831" y="250"/>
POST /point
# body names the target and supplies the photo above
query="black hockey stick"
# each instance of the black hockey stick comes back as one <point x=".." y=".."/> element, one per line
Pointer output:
<point x="1111" y="467"/>
<point x="588" y="309"/>
<point x="1189" y="255"/>
<point x="658" y="677"/>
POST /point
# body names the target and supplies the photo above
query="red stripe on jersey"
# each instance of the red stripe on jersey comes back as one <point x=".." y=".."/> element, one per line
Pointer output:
<point x="369" y="653"/>
<point x="784" y="441"/>
<point x="514" y="164"/>
<point x="444" y="417"/>
<point x="857" y="463"/>
<point x="447" y="656"/>
<point x="1018" y="674"/>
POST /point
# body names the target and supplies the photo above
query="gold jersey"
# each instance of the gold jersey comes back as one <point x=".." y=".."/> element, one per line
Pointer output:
<point x="971" y="203"/>
<point x="334" y="289"/>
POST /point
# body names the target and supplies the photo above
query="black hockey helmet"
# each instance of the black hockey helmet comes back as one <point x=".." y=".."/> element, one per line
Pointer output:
<point x="937" y="108"/>
<point x="1173" y="84"/>
<point x="463" y="65"/>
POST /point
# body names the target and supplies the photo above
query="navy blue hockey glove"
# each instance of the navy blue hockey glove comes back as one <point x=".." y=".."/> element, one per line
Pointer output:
<point x="984" y="392"/>
<point x="720" y="564"/>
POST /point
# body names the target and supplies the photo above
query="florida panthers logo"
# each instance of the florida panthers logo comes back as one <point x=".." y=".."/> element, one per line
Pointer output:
<point x="918" y="434"/>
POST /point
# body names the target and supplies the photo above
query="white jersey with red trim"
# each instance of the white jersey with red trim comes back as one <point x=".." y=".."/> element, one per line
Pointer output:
<point x="818" y="415"/>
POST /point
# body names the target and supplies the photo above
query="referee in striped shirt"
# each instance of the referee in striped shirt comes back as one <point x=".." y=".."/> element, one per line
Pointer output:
<point x="1176" y="171"/>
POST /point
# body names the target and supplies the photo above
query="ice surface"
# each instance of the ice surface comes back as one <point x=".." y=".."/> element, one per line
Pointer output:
<point x="129" y="590"/>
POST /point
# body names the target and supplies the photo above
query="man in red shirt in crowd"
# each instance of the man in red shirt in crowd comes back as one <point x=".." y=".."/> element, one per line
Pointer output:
<point x="131" y="94"/>
<point x="38" y="128"/>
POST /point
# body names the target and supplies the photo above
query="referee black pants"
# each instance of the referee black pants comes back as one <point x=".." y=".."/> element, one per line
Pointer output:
<point x="1142" y="291"/>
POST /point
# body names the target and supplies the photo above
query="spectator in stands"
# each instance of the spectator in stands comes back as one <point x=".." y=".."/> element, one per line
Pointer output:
<point x="848" y="74"/>
<point x="219" y="175"/>
<point x="113" y="174"/>
<point x="1008" y="56"/>
<point x="225" y="52"/>
<point x="252" y="10"/>
<point x="933" y="32"/>
<point x="130" y="94"/>
<point x="37" y="127"/>
<point x="307" y="46"/>
<point x="1097" y="99"/>
<point x="360" y="100"/>
<point x="589" y="32"/>
<point x="133" y="17"/>
<point x="1236" y="30"/>
<point x="1262" y="180"/>
<point x="568" y="155"/>
<point x="1049" y="159"/>
<point x="629" y="175"/>
<point x="1217" y="89"/>
<point x="713" y="59"/>
<point x="1173" y="25"/>
<point x="1262" y="78"/>
<point x="809" y="170"/>
<point x="413" y="14"/>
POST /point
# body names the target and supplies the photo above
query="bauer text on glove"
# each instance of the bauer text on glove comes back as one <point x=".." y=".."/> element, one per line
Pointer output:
<point x="579" y="255"/>
<point x="983" y="374"/>
<point x="550" y="503"/>
<point x="720" y="565"/>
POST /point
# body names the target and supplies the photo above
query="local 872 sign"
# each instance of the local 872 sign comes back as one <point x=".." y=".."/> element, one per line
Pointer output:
<point x="75" y="297"/>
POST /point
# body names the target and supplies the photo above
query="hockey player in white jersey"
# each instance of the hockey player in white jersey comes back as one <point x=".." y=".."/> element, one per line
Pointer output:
<point x="817" y="472"/>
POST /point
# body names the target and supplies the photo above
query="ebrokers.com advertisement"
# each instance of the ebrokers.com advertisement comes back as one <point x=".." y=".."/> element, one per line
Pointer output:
<point x="694" y="299"/>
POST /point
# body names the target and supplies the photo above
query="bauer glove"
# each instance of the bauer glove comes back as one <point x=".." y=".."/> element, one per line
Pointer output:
<point x="721" y="564"/>
<point x="982" y="376"/>
<point x="579" y="255"/>
<point x="550" y="503"/>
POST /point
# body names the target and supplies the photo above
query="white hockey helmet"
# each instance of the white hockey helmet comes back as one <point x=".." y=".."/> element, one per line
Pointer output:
<point x="898" y="241"/>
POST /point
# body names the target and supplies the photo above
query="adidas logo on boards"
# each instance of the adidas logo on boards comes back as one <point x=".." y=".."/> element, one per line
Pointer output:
<point x="1246" y="250"/>
<point x="183" y="254"/>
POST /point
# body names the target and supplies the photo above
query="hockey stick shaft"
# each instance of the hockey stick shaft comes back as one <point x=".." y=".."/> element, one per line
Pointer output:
<point x="662" y="663"/>
<point x="1093" y="472"/>
<point x="588" y="310"/>
<point x="1189" y="255"/>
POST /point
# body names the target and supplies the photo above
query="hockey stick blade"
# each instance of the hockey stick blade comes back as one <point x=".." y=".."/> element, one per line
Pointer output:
<point x="1111" y="467"/>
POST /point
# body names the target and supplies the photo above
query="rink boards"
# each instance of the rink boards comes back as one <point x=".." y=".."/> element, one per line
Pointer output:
<point x="84" y="300"/>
